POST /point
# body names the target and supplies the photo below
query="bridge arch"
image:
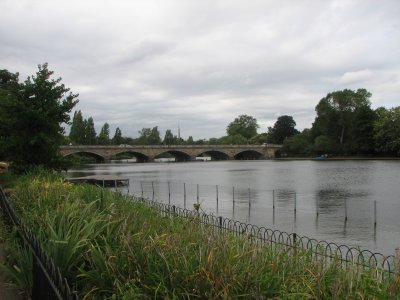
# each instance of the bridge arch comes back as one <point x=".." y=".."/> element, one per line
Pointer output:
<point x="178" y="154"/>
<point x="249" y="154"/>
<point x="140" y="157"/>
<point x="99" y="158"/>
<point x="215" y="154"/>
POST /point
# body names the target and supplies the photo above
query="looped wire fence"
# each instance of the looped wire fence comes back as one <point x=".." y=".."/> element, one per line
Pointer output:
<point x="48" y="282"/>
<point x="324" y="251"/>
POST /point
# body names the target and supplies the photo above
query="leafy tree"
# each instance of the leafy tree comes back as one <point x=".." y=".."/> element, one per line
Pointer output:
<point x="118" y="139"/>
<point x="335" y="115"/>
<point x="283" y="128"/>
<point x="169" y="138"/>
<point x="244" y="125"/>
<point x="236" y="139"/>
<point x="259" y="139"/>
<point x="31" y="116"/>
<point x="298" y="144"/>
<point x="362" y="131"/>
<point x="77" y="132"/>
<point x="149" y="136"/>
<point x="90" y="132"/>
<point x="190" y="140"/>
<point x="104" y="135"/>
<point x="387" y="131"/>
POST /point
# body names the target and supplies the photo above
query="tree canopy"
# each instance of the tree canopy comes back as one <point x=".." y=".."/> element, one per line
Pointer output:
<point x="32" y="114"/>
<point x="244" y="125"/>
<point x="284" y="127"/>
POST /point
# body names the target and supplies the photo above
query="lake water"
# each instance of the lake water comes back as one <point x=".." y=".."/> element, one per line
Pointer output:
<point x="299" y="190"/>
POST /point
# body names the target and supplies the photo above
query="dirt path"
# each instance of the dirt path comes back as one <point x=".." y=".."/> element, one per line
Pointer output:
<point x="6" y="293"/>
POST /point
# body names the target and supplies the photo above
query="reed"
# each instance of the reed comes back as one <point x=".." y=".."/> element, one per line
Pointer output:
<point x="112" y="247"/>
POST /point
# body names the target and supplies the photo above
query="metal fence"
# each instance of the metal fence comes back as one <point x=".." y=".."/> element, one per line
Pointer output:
<point x="328" y="252"/>
<point x="48" y="283"/>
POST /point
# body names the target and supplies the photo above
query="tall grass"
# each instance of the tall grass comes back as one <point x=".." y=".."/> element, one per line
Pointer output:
<point x="110" y="247"/>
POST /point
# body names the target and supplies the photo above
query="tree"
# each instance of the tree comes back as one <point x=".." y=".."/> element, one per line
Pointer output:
<point x="387" y="131"/>
<point x="104" y="135"/>
<point x="77" y="132"/>
<point x="335" y="115"/>
<point x="362" y="131"/>
<point x="118" y="139"/>
<point x="149" y="136"/>
<point x="243" y="125"/>
<point x="169" y="138"/>
<point x="90" y="132"/>
<point x="298" y="144"/>
<point x="32" y="113"/>
<point x="283" y="128"/>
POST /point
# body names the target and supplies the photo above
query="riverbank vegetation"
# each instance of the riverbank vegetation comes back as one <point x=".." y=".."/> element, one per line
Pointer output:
<point x="111" y="247"/>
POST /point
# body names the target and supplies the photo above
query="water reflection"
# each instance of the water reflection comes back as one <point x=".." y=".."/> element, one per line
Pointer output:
<point x="304" y="196"/>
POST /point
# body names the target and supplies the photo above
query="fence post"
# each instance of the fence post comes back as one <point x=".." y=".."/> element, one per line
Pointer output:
<point x="295" y="203"/>
<point x="317" y="207"/>
<point x="141" y="185"/>
<point x="345" y="209"/>
<point x="217" y="198"/>
<point x="397" y="261"/>
<point x="152" y="187"/>
<point x="273" y="200"/>
<point x="197" y="198"/>
<point x="169" y="193"/>
<point x="220" y="222"/>
<point x="375" y="214"/>
<point x="184" y="195"/>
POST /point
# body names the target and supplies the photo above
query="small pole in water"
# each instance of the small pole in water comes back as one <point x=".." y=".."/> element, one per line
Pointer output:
<point x="317" y="207"/>
<point x="249" y="197"/>
<point x="273" y="200"/>
<point x="152" y="187"/>
<point x="197" y="194"/>
<point x="169" y="193"/>
<point x="217" y="198"/>
<point x="141" y="185"/>
<point x="184" y="195"/>
<point x="295" y="203"/>
<point x="345" y="210"/>
<point x="375" y="214"/>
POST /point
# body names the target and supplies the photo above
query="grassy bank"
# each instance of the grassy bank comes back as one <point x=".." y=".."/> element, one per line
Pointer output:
<point x="111" y="247"/>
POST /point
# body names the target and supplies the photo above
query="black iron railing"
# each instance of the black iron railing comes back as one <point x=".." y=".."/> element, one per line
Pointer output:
<point x="328" y="252"/>
<point x="48" y="283"/>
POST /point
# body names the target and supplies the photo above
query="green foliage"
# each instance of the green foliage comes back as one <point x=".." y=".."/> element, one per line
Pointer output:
<point x="283" y="128"/>
<point x="336" y="115"/>
<point x="299" y="144"/>
<point x="31" y="115"/>
<point x="117" y="139"/>
<point x="90" y="132"/>
<point x="243" y="125"/>
<point x="149" y="136"/>
<point x="169" y="138"/>
<point x="104" y="135"/>
<point x="122" y="249"/>
<point x="387" y="131"/>
<point x="78" y="130"/>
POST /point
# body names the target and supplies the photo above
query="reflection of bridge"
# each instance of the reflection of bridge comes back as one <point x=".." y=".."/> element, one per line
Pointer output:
<point x="180" y="152"/>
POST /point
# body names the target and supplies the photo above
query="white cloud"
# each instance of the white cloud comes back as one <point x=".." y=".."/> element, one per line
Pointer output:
<point x="202" y="63"/>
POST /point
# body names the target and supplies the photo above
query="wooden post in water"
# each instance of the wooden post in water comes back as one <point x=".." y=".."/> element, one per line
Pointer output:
<point x="197" y="198"/>
<point x="317" y="207"/>
<point x="249" y="197"/>
<point x="375" y="214"/>
<point x="217" y="197"/>
<point x="345" y="209"/>
<point x="184" y="195"/>
<point x="273" y="200"/>
<point x="295" y="203"/>
<point x="169" y="193"/>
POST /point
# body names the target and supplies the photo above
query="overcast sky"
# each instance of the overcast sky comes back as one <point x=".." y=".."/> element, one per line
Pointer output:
<point x="202" y="63"/>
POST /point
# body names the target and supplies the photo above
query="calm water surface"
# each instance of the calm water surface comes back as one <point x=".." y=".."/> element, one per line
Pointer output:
<point x="326" y="188"/>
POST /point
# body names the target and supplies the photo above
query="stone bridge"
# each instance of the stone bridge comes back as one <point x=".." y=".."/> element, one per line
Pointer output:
<point x="181" y="152"/>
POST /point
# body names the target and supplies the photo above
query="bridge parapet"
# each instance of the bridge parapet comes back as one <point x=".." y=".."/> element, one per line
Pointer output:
<point x="183" y="152"/>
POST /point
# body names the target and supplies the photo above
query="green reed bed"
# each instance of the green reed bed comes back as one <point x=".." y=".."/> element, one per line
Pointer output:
<point x="109" y="246"/>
